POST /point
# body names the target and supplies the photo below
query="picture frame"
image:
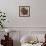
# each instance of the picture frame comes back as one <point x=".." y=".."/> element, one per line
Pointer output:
<point x="24" y="11"/>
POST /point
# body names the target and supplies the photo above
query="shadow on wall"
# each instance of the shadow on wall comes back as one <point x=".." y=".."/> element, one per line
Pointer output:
<point x="16" y="43"/>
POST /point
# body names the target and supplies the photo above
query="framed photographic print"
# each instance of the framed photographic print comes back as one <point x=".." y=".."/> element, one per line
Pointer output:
<point x="24" y="11"/>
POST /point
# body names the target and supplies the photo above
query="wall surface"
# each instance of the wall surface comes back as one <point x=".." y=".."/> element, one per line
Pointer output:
<point x="37" y="15"/>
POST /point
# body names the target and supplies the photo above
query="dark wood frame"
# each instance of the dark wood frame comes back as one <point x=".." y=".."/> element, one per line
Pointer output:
<point x="20" y="11"/>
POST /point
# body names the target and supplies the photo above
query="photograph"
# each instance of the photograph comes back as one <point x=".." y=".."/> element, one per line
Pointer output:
<point x="24" y="11"/>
